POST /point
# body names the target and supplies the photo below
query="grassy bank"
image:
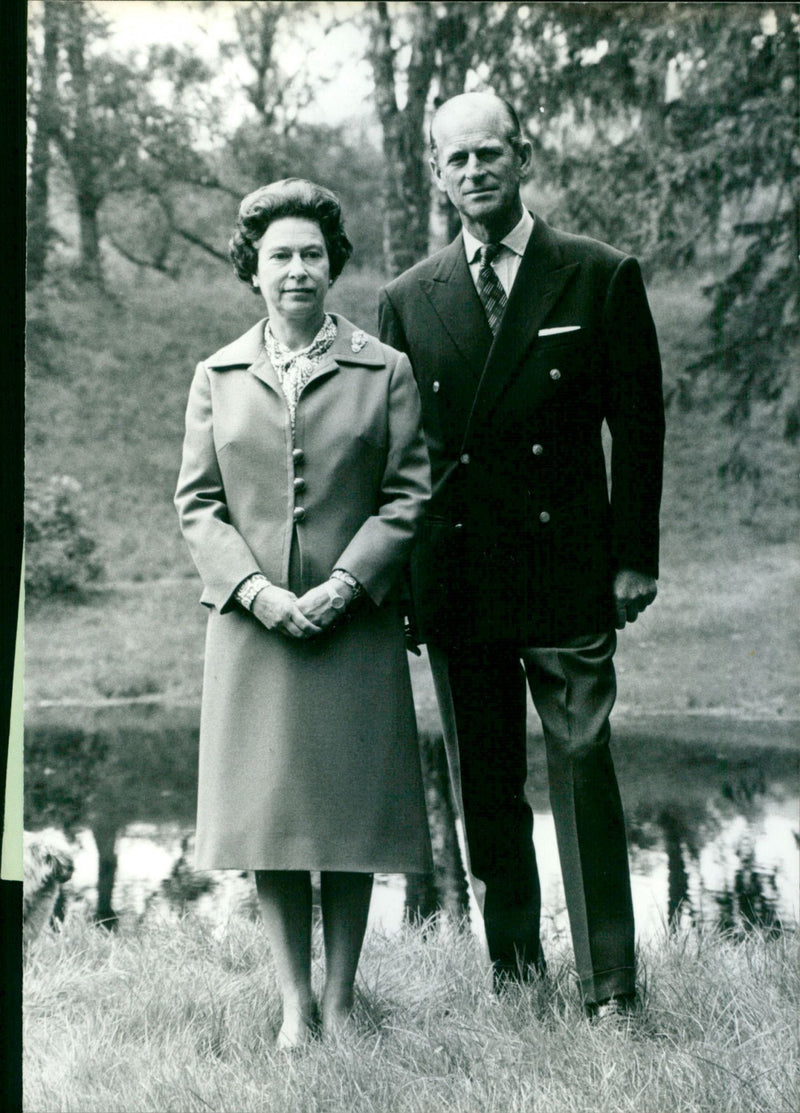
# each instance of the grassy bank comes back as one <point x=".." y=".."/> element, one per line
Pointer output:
<point x="718" y="639"/>
<point x="172" y="1017"/>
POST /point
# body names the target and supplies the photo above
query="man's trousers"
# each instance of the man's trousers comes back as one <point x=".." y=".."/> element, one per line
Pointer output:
<point x="482" y="699"/>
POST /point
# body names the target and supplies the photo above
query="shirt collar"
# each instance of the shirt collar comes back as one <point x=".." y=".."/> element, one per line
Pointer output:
<point x="516" y="240"/>
<point x="278" y="352"/>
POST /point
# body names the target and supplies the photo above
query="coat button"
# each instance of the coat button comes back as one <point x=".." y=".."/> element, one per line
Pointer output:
<point x="298" y="455"/>
<point x="299" y="514"/>
<point x="465" y="458"/>
<point x="544" y="517"/>
<point x="436" y="387"/>
<point x="555" y="374"/>
<point x="458" y="525"/>
<point x="537" y="450"/>
<point x="299" y="484"/>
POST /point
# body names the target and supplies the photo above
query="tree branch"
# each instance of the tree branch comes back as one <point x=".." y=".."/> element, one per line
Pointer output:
<point x="198" y="241"/>
<point x="157" y="264"/>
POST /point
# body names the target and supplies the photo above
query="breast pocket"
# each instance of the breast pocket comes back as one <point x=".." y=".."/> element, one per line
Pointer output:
<point x="558" y="360"/>
<point x="556" y="339"/>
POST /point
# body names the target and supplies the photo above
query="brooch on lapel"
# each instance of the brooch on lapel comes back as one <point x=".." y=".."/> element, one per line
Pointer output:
<point x="358" y="340"/>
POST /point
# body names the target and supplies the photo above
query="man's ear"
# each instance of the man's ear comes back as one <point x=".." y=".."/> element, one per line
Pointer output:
<point x="525" y="156"/>
<point x="433" y="162"/>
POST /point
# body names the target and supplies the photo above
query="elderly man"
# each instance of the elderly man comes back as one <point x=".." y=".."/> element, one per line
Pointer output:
<point x="524" y="339"/>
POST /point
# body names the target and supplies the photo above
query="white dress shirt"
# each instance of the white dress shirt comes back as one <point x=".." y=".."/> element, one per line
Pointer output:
<point x="506" y="262"/>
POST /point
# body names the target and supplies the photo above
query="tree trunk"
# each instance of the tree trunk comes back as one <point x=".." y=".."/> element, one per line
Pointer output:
<point x="105" y="836"/>
<point x="406" y="238"/>
<point x="677" y="877"/>
<point x="256" y="24"/>
<point x="90" y="266"/>
<point x="453" y="40"/>
<point x="38" y="188"/>
<point x="406" y="192"/>
<point x="446" y="888"/>
<point x="80" y="148"/>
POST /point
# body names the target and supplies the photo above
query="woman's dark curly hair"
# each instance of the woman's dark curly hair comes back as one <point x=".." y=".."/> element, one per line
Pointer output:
<point x="288" y="197"/>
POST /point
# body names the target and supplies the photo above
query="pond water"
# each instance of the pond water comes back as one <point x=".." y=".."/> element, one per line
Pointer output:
<point x="711" y="809"/>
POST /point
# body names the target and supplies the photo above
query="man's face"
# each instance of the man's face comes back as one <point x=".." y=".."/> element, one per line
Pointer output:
<point x="475" y="163"/>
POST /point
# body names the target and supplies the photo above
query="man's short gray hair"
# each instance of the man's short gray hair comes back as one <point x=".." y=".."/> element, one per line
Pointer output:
<point x="515" y="127"/>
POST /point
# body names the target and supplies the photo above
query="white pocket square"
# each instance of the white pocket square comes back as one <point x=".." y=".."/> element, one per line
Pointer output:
<point x="561" y="328"/>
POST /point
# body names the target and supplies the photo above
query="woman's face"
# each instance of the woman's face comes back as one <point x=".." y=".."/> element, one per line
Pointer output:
<point x="293" y="269"/>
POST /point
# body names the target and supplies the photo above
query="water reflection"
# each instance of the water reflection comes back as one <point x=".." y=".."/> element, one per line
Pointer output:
<point x="712" y="816"/>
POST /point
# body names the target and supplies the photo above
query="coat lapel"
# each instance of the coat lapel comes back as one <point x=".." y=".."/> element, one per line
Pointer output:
<point x="351" y="346"/>
<point x="539" y="284"/>
<point x="248" y="351"/>
<point x="453" y="296"/>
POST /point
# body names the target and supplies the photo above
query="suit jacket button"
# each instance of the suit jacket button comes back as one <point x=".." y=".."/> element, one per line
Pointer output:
<point x="458" y="525"/>
<point x="299" y="484"/>
<point x="436" y="387"/>
<point x="537" y="450"/>
<point x="544" y="517"/>
<point x="298" y="455"/>
<point x="465" y="458"/>
<point x="299" y="514"/>
<point x="555" y="374"/>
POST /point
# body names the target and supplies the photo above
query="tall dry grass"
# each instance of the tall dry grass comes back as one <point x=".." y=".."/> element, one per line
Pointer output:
<point x="177" y="1016"/>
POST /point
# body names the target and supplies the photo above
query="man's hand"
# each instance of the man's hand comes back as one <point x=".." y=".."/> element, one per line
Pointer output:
<point x="324" y="604"/>
<point x="278" y="610"/>
<point x="633" y="591"/>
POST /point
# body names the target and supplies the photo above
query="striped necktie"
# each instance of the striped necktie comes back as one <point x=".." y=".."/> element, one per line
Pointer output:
<point x="490" y="288"/>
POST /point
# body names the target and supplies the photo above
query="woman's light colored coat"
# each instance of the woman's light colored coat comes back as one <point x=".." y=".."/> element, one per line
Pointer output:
<point x="308" y="756"/>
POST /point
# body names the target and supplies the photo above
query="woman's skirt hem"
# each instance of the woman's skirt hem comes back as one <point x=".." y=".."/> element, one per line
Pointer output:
<point x="318" y="867"/>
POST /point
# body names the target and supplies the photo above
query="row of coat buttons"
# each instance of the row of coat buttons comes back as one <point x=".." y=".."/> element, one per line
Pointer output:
<point x="537" y="450"/>
<point x="544" y="518"/>
<point x="298" y="458"/>
<point x="555" y="375"/>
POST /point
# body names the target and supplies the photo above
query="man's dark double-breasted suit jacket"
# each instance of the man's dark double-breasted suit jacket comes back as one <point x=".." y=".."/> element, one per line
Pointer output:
<point x="522" y="540"/>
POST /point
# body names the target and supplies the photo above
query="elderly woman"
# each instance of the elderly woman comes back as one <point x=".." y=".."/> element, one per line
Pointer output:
<point x="304" y="477"/>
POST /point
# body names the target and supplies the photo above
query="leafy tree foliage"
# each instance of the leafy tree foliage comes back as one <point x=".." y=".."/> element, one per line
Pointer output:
<point x="133" y="134"/>
<point x="667" y="129"/>
<point x="154" y="163"/>
<point x="672" y="130"/>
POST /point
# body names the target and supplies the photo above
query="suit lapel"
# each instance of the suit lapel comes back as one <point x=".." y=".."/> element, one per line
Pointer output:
<point x="539" y="283"/>
<point x="453" y="296"/>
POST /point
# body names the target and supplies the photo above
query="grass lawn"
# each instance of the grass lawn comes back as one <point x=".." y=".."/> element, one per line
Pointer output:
<point x="718" y="638"/>
<point x="176" y="1016"/>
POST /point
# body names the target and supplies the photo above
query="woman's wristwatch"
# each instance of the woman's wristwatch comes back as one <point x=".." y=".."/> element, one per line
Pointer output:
<point x="247" y="591"/>
<point x="344" y="577"/>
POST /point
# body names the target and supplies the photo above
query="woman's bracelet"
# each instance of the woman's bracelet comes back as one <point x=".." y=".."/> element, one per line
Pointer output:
<point x="344" y="577"/>
<point x="246" y="592"/>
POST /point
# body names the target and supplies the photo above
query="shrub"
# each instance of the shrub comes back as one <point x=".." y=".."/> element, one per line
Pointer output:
<point x="59" y="550"/>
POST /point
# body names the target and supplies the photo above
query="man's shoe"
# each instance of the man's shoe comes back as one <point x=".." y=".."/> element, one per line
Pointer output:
<point x="615" y="1012"/>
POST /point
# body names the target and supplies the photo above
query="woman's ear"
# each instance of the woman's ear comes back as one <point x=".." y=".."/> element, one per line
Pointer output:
<point x="254" y="280"/>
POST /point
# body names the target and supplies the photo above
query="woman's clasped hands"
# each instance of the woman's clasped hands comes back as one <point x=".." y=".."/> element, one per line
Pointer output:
<point x="281" y="610"/>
